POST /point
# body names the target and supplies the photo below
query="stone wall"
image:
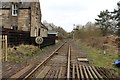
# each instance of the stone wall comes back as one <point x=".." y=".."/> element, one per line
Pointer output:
<point x="35" y="18"/>
<point x="28" y="19"/>
<point x="24" y="20"/>
<point x="43" y="32"/>
<point x="5" y="17"/>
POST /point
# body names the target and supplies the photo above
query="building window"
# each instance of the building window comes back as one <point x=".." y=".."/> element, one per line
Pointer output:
<point x="35" y="31"/>
<point x="14" y="10"/>
<point x="14" y="27"/>
<point x="39" y="32"/>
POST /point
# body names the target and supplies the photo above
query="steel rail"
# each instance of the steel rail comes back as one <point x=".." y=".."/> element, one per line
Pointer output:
<point x="68" y="65"/>
<point x="43" y="62"/>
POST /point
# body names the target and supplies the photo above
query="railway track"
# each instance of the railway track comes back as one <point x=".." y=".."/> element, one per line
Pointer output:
<point x="53" y="65"/>
<point x="64" y="63"/>
<point x="82" y="70"/>
<point x="85" y="72"/>
<point x="50" y="65"/>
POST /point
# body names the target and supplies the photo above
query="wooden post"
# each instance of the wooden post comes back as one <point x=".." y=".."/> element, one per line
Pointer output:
<point x="0" y="48"/>
<point x="3" y="48"/>
<point x="6" y="48"/>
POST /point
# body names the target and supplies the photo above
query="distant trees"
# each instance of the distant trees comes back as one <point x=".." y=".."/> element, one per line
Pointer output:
<point x="89" y="30"/>
<point x="104" y="22"/>
<point x="116" y="16"/>
<point x="88" y="34"/>
<point x="62" y="34"/>
<point x="117" y="13"/>
<point x="108" y="21"/>
<point x="96" y="34"/>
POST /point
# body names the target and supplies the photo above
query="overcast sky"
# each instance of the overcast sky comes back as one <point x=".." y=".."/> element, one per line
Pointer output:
<point x="65" y="13"/>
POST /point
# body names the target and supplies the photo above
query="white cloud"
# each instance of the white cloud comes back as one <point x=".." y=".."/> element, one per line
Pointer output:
<point x="65" y="13"/>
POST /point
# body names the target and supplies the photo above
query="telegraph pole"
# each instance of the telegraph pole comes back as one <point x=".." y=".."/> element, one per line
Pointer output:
<point x="73" y="35"/>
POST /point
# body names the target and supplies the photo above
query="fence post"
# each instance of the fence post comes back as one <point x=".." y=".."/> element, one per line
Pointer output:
<point x="1" y="48"/>
<point x="6" y="48"/>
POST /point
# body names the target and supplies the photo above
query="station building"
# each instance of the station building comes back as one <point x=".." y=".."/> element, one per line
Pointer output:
<point x="23" y="16"/>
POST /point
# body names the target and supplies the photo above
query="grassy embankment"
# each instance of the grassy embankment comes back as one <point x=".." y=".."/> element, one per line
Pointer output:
<point x="99" y="59"/>
<point x="23" y="52"/>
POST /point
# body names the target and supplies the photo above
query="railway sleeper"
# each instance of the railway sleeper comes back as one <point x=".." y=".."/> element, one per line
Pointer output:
<point x="85" y="72"/>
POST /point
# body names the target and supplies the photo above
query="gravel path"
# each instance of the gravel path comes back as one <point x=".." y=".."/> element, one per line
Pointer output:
<point x="78" y="52"/>
<point x="83" y="52"/>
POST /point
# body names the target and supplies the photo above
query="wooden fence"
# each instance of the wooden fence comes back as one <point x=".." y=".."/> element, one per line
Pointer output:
<point x="3" y="45"/>
<point x="17" y="38"/>
<point x="10" y="38"/>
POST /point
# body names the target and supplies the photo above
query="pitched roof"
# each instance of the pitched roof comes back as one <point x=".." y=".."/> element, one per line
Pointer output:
<point x="52" y="32"/>
<point x="43" y="26"/>
<point x="5" y="5"/>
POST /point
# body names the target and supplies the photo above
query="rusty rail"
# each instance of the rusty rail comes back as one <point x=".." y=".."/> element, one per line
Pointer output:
<point x="35" y="69"/>
<point x="68" y="65"/>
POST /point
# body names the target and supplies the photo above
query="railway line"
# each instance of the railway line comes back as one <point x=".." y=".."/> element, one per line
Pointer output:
<point x="64" y="63"/>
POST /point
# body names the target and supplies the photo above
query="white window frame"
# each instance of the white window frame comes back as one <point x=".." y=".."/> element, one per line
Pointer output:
<point x="14" y="10"/>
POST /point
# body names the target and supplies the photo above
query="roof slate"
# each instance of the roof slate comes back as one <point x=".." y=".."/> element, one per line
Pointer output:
<point x="22" y="5"/>
<point x="52" y="32"/>
<point x="5" y="5"/>
<point x="43" y="26"/>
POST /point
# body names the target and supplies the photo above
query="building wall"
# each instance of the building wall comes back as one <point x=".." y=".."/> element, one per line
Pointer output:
<point x="50" y="27"/>
<point x="43" y="32"/>
<point x="5" y="17"/>
<point x="28" y="19"/>
<point x="24" y="19"/>
<point x="35" y="18"/>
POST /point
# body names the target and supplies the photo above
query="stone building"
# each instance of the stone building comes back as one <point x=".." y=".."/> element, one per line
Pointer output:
<point x="44" y="31"/>
<point x="50" y="27"/>
<point x="24" y="16"/>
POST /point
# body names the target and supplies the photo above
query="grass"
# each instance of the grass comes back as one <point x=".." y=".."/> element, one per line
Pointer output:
<point x="101" y="60"/>
<point x="22" y="53"/>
